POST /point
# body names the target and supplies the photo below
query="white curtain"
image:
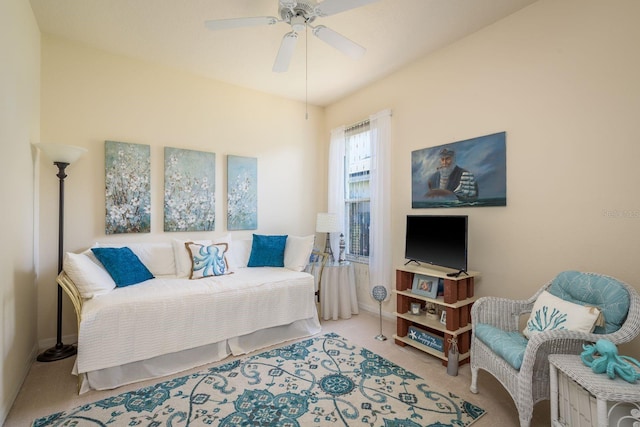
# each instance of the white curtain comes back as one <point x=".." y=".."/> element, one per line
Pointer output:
<point x="380" y="255"/>
<point x="335" y="184"/>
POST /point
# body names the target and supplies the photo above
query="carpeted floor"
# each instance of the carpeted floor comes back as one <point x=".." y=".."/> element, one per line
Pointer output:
<point x="50" y="388"/>
<point x="323" y="380"/>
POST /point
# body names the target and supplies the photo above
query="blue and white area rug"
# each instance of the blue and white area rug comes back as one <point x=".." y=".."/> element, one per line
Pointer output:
<point x="319" y="381"/>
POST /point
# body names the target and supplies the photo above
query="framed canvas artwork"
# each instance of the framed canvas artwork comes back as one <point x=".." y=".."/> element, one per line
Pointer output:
<point x="469" y="173"/>
<point x="189" y="190"/>
<point x="242" y="193"/>
<point x="127" y="187"/>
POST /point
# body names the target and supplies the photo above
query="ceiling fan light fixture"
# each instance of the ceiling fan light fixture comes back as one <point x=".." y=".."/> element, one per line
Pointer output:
<point x="298" y="23"/>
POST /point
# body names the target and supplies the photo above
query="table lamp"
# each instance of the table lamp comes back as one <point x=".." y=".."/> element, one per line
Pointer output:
<point x="328" y="223"/>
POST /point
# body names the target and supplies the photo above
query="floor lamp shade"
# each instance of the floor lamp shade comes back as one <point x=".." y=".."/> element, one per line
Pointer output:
<point x="60" y="153"/>
<point x="62" y="156"/>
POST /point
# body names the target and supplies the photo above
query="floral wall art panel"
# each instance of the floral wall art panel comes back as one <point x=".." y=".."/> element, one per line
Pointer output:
<point x="467" y="173"/>
<point x="242" y="193"/>
<point x="128" y="187"/>
<point x="189" y="190"/>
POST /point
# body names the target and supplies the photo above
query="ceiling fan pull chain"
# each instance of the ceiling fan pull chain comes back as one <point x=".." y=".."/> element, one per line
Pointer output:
<point x="306" y="73"/>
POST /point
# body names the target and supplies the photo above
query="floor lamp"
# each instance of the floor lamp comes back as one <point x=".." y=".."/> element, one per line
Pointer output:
<point x="62" y="156"/>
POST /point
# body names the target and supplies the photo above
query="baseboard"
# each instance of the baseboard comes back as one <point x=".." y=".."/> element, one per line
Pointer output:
<point x="11" y="396"/>
<point x="375" y="309"/>
<point x="50" y="342"/>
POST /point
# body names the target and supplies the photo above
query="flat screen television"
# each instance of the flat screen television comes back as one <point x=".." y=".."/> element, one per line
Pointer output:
<point x="440" y="240"/>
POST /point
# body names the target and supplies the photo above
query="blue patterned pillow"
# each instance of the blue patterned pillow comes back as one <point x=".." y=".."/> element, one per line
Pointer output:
<point x="207" y="260"/>
<point x="604" y="292"/>
<point x="123" y="265"/>
<point x="267" y="251"/>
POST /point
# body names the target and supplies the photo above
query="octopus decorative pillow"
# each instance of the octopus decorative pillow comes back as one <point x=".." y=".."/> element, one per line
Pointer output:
<point x="552" y="313"/>
<point x="207" y="260"/>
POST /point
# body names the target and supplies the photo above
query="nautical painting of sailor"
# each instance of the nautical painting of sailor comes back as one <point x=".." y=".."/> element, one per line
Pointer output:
<point x="464" y="173"/>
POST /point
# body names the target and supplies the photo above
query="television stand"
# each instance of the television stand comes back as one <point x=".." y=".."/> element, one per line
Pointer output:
<point x="433" y="332"/>
<point x="456" y="274"/>
<point x="412" y="261"/>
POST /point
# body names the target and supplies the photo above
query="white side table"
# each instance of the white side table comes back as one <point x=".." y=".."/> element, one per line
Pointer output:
<point x="338" y="291"/>
<point x="603" y="388"/>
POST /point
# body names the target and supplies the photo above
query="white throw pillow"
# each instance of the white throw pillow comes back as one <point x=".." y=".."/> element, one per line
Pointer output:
<point x="297" y="251"/>
<point x="90" y="278"/>
<point x="158" y="257"/>
<point x="239" y="253"/>
<point x="551" y="313"/>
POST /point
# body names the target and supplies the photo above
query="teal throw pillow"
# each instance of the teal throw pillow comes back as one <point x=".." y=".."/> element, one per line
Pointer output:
<point x="508" y="345"/>
<point x="123" y="265"/>
<point x="267" y="251"/>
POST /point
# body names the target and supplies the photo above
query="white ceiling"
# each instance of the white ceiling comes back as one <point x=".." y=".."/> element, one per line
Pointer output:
<point x="172" y="32"/>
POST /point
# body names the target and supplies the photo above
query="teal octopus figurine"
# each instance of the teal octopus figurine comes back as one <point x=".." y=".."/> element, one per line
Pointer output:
<point x="609" y="361"/>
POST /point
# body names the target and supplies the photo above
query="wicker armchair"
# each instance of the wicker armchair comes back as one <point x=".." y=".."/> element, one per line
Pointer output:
<point x="530" y="384"/>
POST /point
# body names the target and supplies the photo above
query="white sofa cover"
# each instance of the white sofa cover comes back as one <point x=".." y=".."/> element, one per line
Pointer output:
<point x="169" y="323"/>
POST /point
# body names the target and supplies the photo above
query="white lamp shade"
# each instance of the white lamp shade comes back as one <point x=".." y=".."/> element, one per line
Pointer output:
<point x="61" y="153"/>
<point x="327" y="223"/>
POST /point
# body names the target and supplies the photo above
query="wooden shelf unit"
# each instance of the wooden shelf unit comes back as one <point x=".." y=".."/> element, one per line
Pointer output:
<point x="456" y="302"/>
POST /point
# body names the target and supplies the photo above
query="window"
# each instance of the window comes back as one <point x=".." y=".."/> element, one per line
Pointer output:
<point x="357" y="191"/>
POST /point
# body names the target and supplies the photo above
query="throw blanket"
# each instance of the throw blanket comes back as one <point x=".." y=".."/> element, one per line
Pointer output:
<point x="167" y="315"/>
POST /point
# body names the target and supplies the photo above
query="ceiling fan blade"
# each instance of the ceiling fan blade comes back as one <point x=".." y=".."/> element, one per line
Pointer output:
<point x="225" y="24"/>
<point x="331" y="7"/>
<point x="340" y="42"/>
<point x="288" y="4"/>
<point x="285" y="52"/>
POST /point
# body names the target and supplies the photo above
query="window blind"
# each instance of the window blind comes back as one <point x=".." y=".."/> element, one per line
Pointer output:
<point x="357" y="190"/>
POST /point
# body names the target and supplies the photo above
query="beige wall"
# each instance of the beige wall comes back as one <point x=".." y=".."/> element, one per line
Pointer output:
<point x="561" y="78"/>
<point x="19" y="126"/>
<point x="90" y="96"/>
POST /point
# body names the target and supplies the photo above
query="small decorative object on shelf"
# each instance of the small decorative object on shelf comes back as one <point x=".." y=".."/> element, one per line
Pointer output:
<point x="432" y="313"/>
<point x="443" y="317"/>
<point x="426" y="286"/>
<point x="415" y="308"/>
<point x="425" y="338"/>
<point x="453" y="358"/>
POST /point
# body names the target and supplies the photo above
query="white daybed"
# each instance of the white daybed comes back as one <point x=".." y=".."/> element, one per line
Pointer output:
<point x="170" y="323"/>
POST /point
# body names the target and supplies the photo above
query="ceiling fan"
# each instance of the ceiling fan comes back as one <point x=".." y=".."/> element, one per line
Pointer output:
<point x="299" y="15"/>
